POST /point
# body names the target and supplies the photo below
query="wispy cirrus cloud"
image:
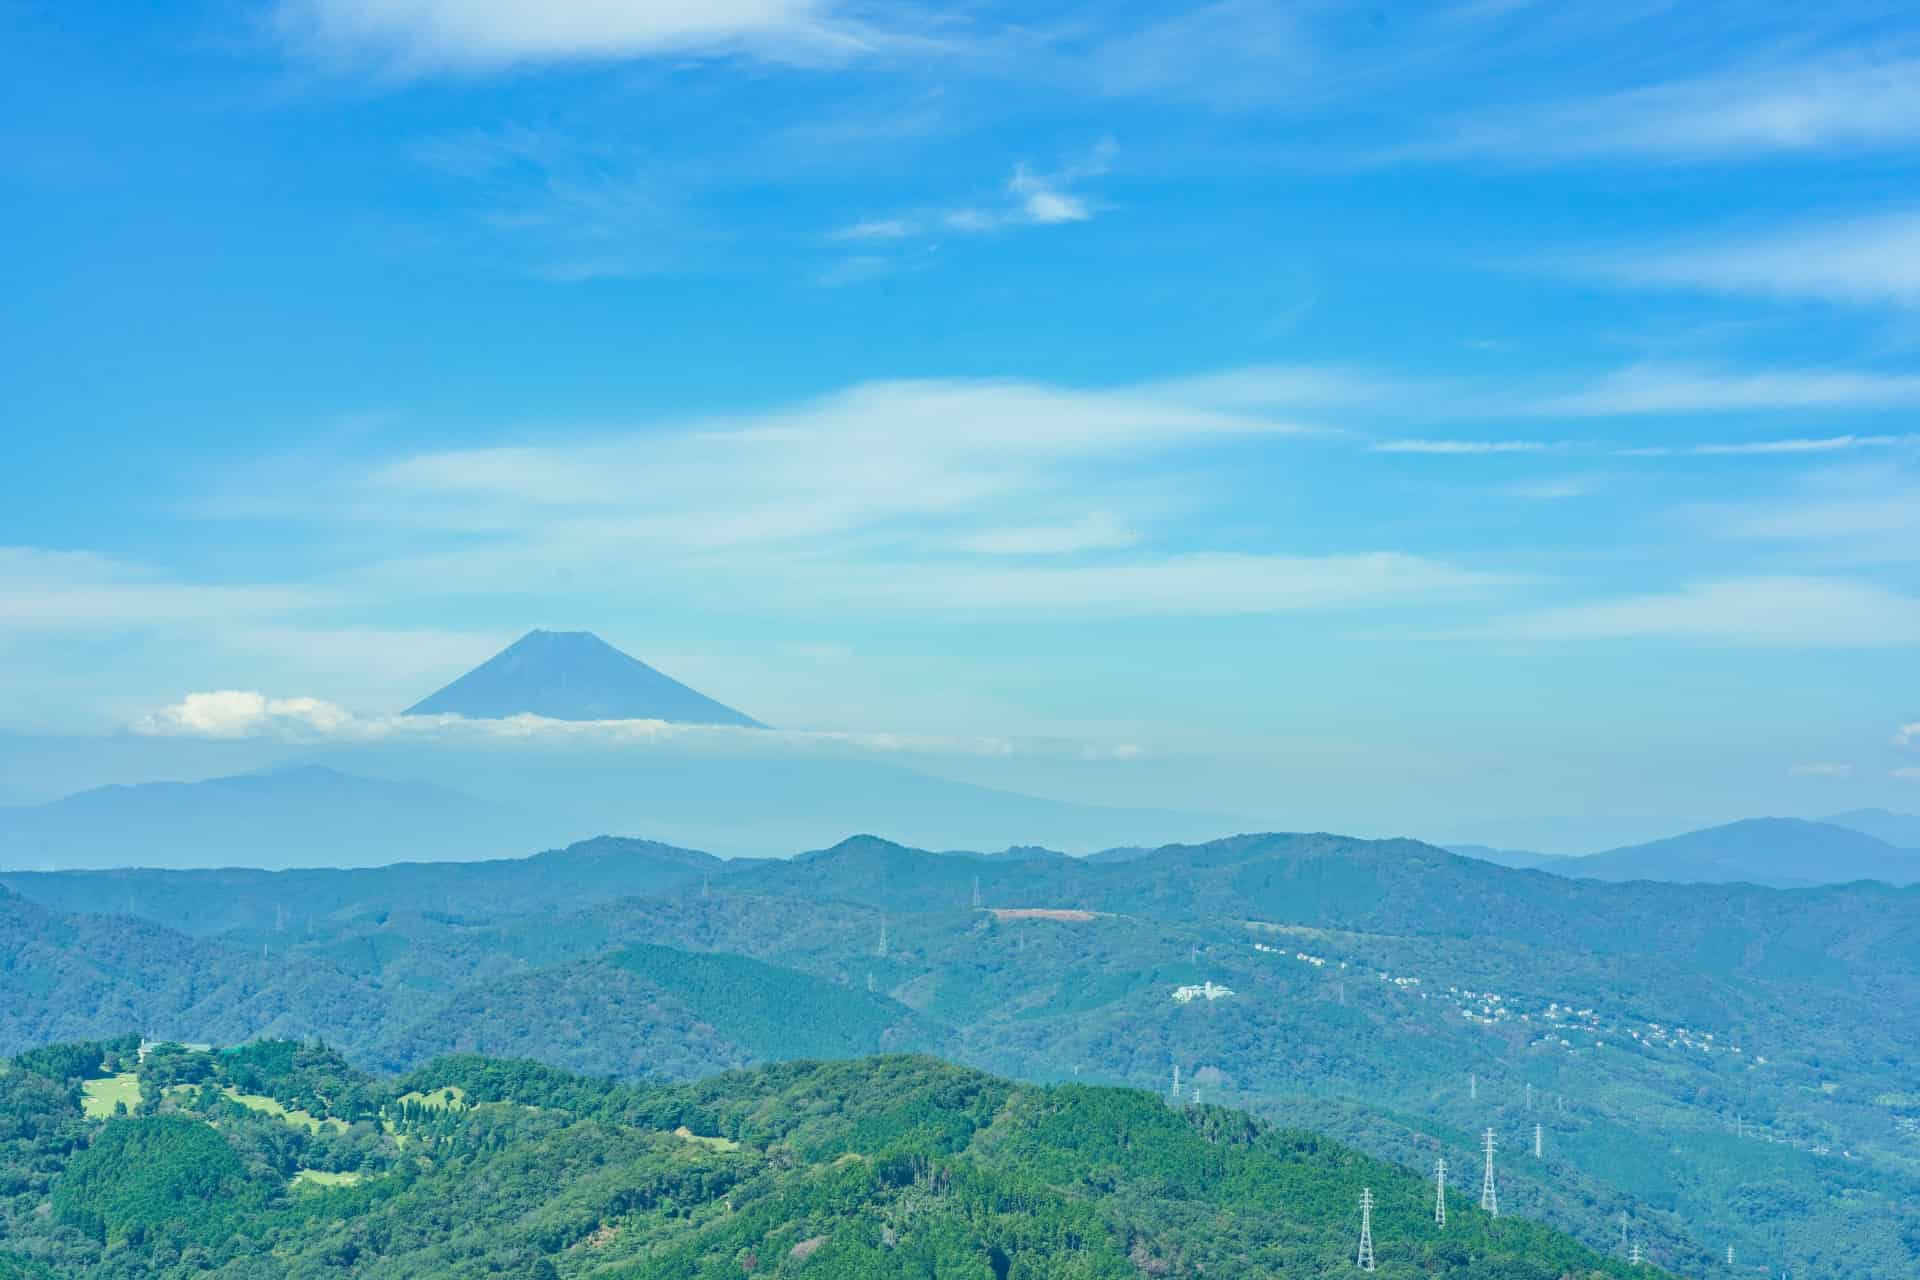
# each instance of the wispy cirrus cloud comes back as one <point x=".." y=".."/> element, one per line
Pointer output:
<point x="1096" y="531"/>
<point x="43" y="589"/>
<point x="1197" y="584"/>
<point x="1460" y="448"/>
<point x="559" y="207"/>
<point x="1031" y="197"/>
<point x="1768" y="448"/>
<point x="1851" y="260"/>
<point x="1647" y="388"/>
<point x="1229" y="53"/>
<point x="1555" y="488"/>
<point x="1809" y="612"/>
<point x="468" y="36"/>
<point x="1821" y="770"/>
<point x="1860" y="513"/>
<point x="877" y="229"/>
<point x="1834" y="103"/>
<point x="839" y="461"/>
<point x="887" y="498"/>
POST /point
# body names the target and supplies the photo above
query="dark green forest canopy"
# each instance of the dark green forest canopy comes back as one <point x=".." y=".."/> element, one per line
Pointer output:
<point x="888" y="1166"/>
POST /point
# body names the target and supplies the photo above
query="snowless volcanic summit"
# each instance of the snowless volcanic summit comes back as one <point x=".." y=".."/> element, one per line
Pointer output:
<point x="573" y="675"/>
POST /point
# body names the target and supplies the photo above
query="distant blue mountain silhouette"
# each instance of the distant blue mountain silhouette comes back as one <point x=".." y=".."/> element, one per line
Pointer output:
<point x="573" y="675"/>
<point x="300" y="815"/>
<point x="1786" y="853"/>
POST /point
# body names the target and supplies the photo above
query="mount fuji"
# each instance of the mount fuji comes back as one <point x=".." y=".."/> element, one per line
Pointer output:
<point x="574" y="675"/>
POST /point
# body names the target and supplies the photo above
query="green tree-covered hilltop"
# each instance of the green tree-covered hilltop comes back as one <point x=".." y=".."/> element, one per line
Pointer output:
<point x="279" y="1159"/>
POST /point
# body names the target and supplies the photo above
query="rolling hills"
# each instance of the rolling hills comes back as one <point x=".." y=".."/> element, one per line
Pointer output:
<point x="1386" y="992"/>
<point x="240" y="898"/>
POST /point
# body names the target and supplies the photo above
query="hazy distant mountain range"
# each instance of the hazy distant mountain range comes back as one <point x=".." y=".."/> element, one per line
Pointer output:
<point x="1782" y="852"/>
<point x="295" y="816"/>
<point x="316" y="816"/>
<point x="344" y="806"/>
<point x="1901" y="830"/>
<point x="1519" y="859"/>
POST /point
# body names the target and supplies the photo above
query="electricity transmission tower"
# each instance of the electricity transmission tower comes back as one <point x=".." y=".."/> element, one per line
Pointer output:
<point x="976" y="893"/>
<point x="881" y="949"/>
<point x="1536" y="1142"/>
<point x="1440" y="1193"/>
<point x="1473" y="1086"/>
<point x="1176" y="1082"/>
<point x="1364" y="1259"/>
<point x="1634" y="1256"/>
<point x="1729" y="1255"/>
<point x="1489" y="1194"/>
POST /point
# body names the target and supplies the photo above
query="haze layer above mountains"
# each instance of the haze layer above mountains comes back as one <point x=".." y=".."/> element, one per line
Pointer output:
<point x="365" y="804"/>
<point x="421" y="796"/>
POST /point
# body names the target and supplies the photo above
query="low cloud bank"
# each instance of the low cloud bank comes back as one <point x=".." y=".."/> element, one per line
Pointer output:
<point x="248" y="714"/>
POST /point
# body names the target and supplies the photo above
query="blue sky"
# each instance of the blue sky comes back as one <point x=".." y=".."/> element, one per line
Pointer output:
<point x="1405" y="418"/>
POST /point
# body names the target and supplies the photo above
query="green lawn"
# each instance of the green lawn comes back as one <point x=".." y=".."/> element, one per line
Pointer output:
<point x="296" y="1117"/>
<point x="317" y="1178"/>
<point x="453" y="1097"/>
<point x="717" y="1144"/>
<point x="98" y="1097"/>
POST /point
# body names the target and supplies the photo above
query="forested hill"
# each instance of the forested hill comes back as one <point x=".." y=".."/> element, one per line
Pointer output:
<point x="1314" y="880"/>
<point x="1725" y="1064"/>
<point x="1378" y="886"/>
<point x="215" y="901"/>
<point x="277" y="1159"/>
